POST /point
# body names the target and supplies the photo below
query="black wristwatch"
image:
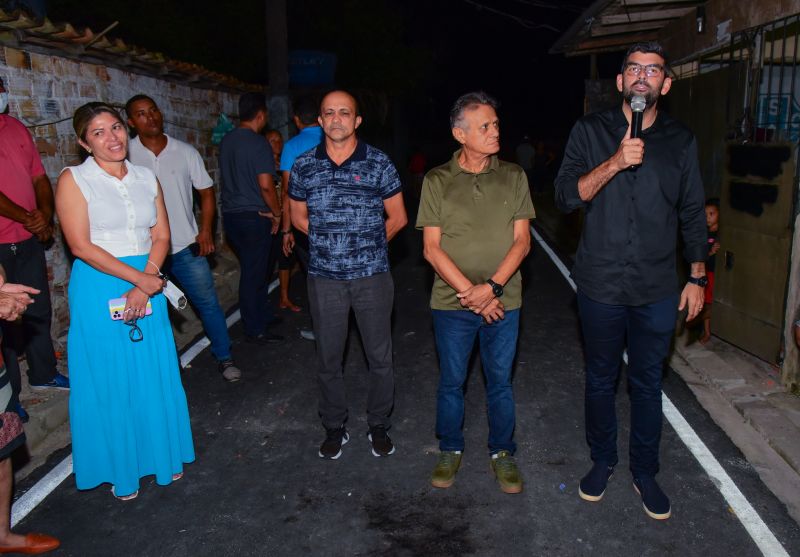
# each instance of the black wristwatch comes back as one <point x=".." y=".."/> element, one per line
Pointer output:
<point x="699" y="281"/>
<point x="497" y="289"/>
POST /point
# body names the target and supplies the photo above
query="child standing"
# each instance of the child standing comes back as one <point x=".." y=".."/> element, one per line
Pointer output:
<point x="712" y="223"/>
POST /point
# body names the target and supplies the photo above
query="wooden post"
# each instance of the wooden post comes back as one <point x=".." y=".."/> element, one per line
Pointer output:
<point x="278" y="62"/>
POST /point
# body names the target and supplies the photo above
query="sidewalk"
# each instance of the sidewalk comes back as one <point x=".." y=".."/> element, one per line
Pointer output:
<point x="744" y="397"/>
<point x="741" y="393"/>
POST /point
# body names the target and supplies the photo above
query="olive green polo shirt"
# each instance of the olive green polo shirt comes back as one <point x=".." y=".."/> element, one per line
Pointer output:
<point x="476" y="215"/>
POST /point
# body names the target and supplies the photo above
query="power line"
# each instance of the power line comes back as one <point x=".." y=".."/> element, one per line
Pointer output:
<point x="551" y="6"/>
<point x="527" y="23"/>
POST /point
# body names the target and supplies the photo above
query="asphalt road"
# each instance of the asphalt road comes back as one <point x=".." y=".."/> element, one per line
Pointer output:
<point x="259" y="488"/>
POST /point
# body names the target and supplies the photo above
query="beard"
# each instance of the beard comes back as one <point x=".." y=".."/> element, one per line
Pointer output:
<point x="650" y="96"/>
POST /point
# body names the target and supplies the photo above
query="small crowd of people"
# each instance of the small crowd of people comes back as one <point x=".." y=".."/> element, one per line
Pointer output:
<point x="335" y="202"/>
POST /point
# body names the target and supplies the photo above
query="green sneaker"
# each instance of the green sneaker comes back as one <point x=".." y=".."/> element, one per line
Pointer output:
<point x="445" y="472"/>
<point x="506" y="471"/>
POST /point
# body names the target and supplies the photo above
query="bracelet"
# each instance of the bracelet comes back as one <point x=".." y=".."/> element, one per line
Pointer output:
<point x="154" y="265"/>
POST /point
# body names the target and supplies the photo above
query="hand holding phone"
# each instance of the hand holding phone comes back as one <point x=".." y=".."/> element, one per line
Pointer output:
<point x="116" y="307"/>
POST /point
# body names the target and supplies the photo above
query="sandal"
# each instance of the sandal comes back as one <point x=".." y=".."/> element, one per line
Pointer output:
<point x="176" y="477"/>
<point x="125" y="497"/>
<point x="290" y="306"/>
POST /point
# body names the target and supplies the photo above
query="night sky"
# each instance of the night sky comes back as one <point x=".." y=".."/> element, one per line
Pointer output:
<point x="421" y="53"/>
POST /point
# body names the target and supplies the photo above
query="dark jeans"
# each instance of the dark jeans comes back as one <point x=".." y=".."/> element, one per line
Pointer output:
<point x="455" y="332"/>
<point x="647" y="331"/>
<point x="194" y="276"/>
<point x="24" y="263"/>
<point x="249" y="234"/>
<point x="301" y="249"/>
<point x="371" y="300"/>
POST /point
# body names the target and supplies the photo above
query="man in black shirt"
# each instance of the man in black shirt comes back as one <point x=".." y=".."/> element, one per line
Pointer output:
<point x="636" y="192"/>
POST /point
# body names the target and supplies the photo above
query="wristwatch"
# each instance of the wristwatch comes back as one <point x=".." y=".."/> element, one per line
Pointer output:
<point x="699" y="281"/>
<point x="497" y="289"/>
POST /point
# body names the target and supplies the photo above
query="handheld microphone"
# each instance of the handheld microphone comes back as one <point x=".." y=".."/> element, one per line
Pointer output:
<point x="638" y="104"/>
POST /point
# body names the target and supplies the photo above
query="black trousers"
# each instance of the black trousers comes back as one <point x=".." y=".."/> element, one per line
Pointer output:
<point x="371" y="299"/>
<point x="24" y="263"/>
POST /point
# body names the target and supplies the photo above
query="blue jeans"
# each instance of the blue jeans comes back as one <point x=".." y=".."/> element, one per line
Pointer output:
<point x="455" y="333"/>
<point x="249" y="234"/>
<point x="647" y="330"/>
<point x="195" y="279"/>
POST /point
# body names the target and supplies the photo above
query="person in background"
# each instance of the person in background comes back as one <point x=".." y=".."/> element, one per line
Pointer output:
<point x="285" y="262"/>
<point x="251" y="213"/>
<point x="26" y="227"/>
<point x="14" y="301"/>
<point x="306" y="112"/>
<point x="525" y="154"/>
<point x="128" y="412"/>
<point x="179" y="169"/>
<point x="712" y="224"/>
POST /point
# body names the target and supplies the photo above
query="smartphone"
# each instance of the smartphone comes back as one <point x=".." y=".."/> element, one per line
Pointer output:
<point x="194" y="249"/>
<point x="116" y="307"/>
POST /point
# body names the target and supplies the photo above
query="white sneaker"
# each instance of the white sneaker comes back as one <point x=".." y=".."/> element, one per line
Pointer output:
<point x="229" y="371"/>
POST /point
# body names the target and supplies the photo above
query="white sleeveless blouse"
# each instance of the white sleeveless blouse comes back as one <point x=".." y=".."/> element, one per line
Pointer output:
<point x="121" y="212"/>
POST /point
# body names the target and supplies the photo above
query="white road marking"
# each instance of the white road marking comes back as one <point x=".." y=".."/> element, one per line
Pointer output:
<point x="744" y="511"/>
<point x="44" y="487"/>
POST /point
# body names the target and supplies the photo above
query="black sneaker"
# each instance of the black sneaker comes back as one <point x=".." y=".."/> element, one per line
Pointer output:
<point x="381" y="444"/>
<point x="654" y="501"/>
<point x="264" y="338"/>
<point x="331" y="448"/>
<point x="593" y="484"/>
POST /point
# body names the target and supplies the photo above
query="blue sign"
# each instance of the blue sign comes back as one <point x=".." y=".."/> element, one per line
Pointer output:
<point x="311" y="67"/>
<point x="780" y="112"/>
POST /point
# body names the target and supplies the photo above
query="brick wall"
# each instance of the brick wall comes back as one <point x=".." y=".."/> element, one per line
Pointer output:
<point x="45" y="89"/>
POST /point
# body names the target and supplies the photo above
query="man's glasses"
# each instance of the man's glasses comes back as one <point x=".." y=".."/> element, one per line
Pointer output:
<point x="650" y="70"/>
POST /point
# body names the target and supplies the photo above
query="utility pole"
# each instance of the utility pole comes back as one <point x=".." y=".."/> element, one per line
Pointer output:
<point x="278" y="66"/>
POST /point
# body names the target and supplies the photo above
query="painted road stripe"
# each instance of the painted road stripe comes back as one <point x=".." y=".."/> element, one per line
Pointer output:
<point x="744" y="511"/>
<point x="44" y="487"/>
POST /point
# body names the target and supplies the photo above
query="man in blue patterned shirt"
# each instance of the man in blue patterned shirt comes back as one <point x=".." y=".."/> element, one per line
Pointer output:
<point x="338" y="195"/>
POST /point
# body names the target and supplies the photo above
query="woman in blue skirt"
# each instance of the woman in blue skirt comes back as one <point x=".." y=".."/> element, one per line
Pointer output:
<point x="128" y="411"/>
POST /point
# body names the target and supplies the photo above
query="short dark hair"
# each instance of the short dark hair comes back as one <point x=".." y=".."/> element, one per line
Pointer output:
<point x="134" y="99"/>
<point x="648" y="47"/>
<point x="250" y="104"/>
<point x="713" y="202"/>
<point x="469" y="101"/>
<point x="306" y="109"/>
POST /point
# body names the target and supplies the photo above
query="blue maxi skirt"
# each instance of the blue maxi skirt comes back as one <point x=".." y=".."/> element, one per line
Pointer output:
<point x="128" y="412"/>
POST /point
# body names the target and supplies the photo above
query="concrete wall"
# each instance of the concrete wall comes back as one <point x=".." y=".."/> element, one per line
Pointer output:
<point x="46" y="89"/>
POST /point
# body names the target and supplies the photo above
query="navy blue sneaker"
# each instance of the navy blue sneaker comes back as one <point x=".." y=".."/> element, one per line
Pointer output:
<point x="23" y="415"/>
<point x="654" y="501"/>
<point x="60" y="382"/>
<point x="593" y="484"/>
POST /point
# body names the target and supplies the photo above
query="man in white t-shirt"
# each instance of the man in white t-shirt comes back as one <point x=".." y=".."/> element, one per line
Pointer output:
<point x="180" y="168"/>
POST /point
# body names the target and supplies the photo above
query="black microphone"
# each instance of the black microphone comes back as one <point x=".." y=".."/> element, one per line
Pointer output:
<point x="638" y="104"/>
